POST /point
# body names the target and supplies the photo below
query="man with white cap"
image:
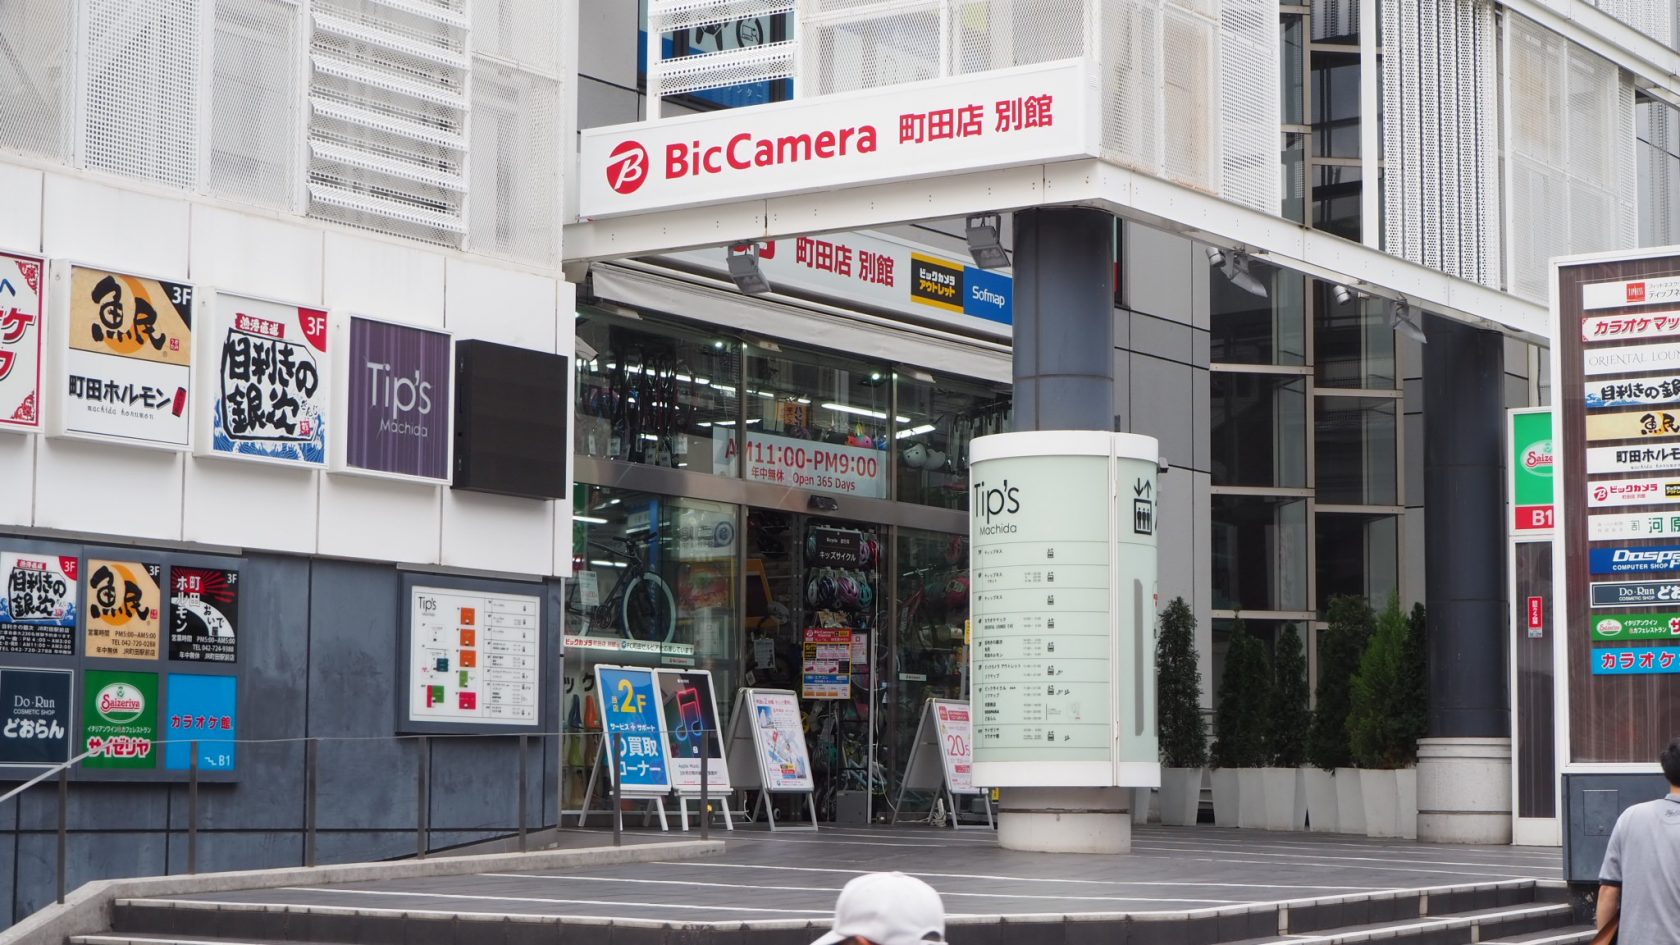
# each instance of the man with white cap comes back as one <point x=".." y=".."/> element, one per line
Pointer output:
<point x="887" y="909"/>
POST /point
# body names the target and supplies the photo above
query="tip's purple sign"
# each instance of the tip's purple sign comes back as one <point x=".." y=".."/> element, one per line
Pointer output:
<point x="398" y="400"/>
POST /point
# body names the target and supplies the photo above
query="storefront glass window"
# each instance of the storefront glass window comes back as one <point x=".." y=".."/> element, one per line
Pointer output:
<point x="930" y="656"/>
<point x="942" y="417"/>
<point x="1259" y="552"/>
<point x="657" y="586"/>
<point x="1352" y="345"/>
<point x="1258" y="429"/>
<point x="1258" y="329"/>
<point x="1356" y="449"/>
<point x="815" y="421"/>
<point x="1357" y="554"/>
<point x="656" y="394"/>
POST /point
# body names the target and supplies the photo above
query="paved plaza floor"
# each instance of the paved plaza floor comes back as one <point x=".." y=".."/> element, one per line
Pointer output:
<point x="796" y="876"/>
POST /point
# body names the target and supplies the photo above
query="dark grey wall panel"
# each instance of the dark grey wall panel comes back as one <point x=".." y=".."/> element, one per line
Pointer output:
<point x="91" y="856"/>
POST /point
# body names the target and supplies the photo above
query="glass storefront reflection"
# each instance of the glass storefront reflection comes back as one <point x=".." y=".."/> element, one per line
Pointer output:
<point x="931" y="652"/>
<point x="939" y="418"/>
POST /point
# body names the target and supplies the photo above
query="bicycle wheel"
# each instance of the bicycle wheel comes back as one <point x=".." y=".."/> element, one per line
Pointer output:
<point x="647" y="610"/>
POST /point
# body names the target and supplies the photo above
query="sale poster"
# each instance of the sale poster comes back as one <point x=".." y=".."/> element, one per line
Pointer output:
<point x="128" y="365"/>
<point x="202" y="709"/>
<point x="38" y="613"/>
<point x="779" y="734"/>
<point x="20" y="343"/>
<point x="269" y="382"/>
<point x="124" y="609"/>
<point x="955" y="727"/>
<point x="35" y="723"/>
<point x="119" y="719"/>
<point x="827" y="670"/>
<point x="203" y="615"/>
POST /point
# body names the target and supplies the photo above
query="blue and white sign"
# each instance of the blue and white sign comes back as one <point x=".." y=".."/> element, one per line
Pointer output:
<point x="1636" y="661"/>
<point x="1635" y="560"/>
<point x="202" y="709"/>
<point x="1634" y="392"/>
<point x="631" y="717"/>
<point x="1634" y="593"/>
<point x="989" y="295"/>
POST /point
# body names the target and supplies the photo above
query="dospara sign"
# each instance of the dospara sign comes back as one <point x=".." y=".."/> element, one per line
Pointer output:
<point x="1028" y="115"/>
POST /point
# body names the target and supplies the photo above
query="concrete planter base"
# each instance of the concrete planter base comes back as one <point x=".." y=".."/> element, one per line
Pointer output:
<point x="1350" y="804"/>
<point x="1181" y="796"/>
<point x="1251" y="799"/>
<point x="1390" y="800"/>
<point x="1320" y="789"/>
<point x="1286" y="802"/>
<point x="1227" y="796"/>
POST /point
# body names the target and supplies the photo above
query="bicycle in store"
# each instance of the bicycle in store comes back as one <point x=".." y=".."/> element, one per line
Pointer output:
<point x="640" y="605"/>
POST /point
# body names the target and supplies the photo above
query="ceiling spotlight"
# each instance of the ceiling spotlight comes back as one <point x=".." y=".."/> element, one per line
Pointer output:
<point x="1342" y="294"/>
<point x="1235" y="266"/>
<point x="743" y="268"/>
<point x="985" y="241"/>
<point x="1400" y="319"/>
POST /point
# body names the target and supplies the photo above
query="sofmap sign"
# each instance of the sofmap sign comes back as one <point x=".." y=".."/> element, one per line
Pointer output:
<point x="35" y="723"/>
<point x="1635" y="560"/>
<point x="1028" y="115"/>
<point x="20" y="343"/>
<point x="268" y="381"/>
<point x="397" y="401"/>
<point x="127" y="358"/>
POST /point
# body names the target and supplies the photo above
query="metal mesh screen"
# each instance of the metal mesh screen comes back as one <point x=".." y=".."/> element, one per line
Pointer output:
<point x="1162" y="80"/>
<point x="846" y="45"/>
<point x="515" y="162"/>
<point x="525" y="32"/>
<point x="388" y="115"/>
<point x="1571" y="152"/>
<point x="140" y="80"/>
<point x="1440" y="196"/>
<point x="1131" y="64"/>
<point x="254" y="98"/>
<point x="1334" y="18"/>
<point x="1190" y="99"/>
<point x="1654" y="18"/>
<point x="1249" y="100"/>
<point x="35" y="71"/>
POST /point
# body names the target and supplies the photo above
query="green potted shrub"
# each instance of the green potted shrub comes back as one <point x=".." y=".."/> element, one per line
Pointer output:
<point x="1341" y="644"/>
<point x="1178" y="713"/>
<point x="1239" y="747"/>
<point x="1288" y="716"/>
<point x="1385" y="720"/>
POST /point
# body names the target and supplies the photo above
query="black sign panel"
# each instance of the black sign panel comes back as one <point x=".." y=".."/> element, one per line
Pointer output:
<point x="836" y="548"/>
<point x="510" y="421"/>
<point x="936" y="282"/>
<point x="35" y="723"/>
<point x="203" y="615"/>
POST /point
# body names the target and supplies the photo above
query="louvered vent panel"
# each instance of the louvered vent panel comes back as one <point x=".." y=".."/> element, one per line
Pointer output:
<point x="515" y="206"/>
<point x="140" y="105"/>
<point x="388" y="116"/>
<point x="753" y="57"/>
<point x="255" y="93"/>
<point x="1249" y="101"/>
<point x="1440" y="193"/>
<point x="34" y="88"/>
<point x="1571" y="146"/>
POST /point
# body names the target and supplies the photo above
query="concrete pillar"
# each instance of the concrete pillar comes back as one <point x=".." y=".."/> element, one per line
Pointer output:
<point x="1464" y="766"/>
<point x="1064" y="380"/>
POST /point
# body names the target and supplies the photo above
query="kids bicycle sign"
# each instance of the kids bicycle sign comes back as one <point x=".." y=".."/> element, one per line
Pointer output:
<point x="1028" y="115"/>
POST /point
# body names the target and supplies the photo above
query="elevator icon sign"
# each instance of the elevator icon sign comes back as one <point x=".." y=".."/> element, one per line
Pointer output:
<point x="1143" y="507"/>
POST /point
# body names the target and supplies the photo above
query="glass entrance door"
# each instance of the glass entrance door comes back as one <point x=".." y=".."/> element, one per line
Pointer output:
<point x="813" y="618"/>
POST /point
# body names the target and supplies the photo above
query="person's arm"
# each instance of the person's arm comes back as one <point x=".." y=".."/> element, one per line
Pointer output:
<point x="1609" y="905"/>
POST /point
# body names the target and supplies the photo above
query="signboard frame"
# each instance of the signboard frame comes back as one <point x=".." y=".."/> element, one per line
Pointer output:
<point x="547" y="642"/>
<point x="70" y="735"/>
<point x="922" y="774"/>
<point x="57" y="375"/>
<point x="338" y="445"/>
<point x="717" y="784"/>
<point x="36" y="337"/>
<point x="750" y="770"/>
<point x="215" y="313"/>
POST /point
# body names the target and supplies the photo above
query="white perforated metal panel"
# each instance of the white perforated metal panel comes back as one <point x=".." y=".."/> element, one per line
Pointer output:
<point x="388" y="116"/>
<point x="1131" y="68"/>
<point x="1440" y="194"/>
<point x="1249" y="100"/>
<point x="36" y="69"/>
<point x="1571" y="147"/>
<point x="523" y="32"/>
<point x="846" y="45"/>
<point x="1654" y="18"/>
<point x="1190" y="99"/>
<point x="140" y="81"/>
<point x="758" y="60"/>
<point x="515" y="161"/>
<point x="255" y="95"/>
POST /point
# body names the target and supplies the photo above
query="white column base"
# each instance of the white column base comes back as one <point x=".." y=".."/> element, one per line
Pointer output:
<point x="1464" y="790"/>
<point x="1066" y="820"/>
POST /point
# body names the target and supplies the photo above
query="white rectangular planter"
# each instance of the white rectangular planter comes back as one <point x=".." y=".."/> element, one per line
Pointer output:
<point x="1390" y="803"/>
<point x="1286" y="807"/>
<point x="1320" y="789"/>
<point x="1350" y="803"/>
<point x="1141" y="802"/>
<point x="1227" y="796"/>
<point x="1251" y="799"/>
<point x="1181" y="796"/>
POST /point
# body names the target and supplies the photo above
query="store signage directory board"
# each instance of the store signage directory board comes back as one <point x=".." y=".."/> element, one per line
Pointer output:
<point x="1062" y="536"/>
<point x="1617" y="573"/>
<point x="474" y="658"/>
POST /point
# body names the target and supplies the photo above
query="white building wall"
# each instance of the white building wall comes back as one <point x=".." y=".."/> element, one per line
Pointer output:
<point x="123" y="493"/>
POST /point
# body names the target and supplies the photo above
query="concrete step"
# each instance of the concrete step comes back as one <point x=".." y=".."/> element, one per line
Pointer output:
<point x="1578" y="935"/>
<point x="1484" y="926"/>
